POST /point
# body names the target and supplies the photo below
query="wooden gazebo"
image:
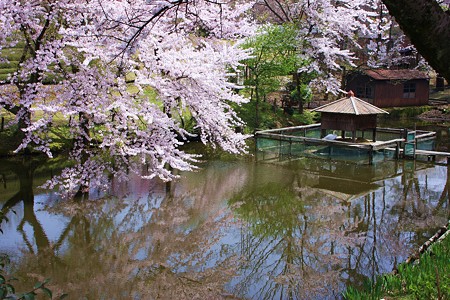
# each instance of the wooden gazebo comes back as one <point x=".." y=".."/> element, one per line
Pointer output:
<point x="349" y="114"/>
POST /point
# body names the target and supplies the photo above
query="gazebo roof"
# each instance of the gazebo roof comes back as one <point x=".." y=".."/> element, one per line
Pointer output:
<point x="346" y="190"/>
<point x="350" y="105"/>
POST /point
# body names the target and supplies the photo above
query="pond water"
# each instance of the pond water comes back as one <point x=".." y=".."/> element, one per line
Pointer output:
<point x="235" y="229"/>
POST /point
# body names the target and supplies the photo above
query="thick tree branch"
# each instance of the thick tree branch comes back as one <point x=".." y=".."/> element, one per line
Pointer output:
<point x="428" y="27"/>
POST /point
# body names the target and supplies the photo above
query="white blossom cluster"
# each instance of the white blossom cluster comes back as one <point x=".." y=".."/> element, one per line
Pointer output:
<point x="183" y="52"/>
<point x="331" y="33"/>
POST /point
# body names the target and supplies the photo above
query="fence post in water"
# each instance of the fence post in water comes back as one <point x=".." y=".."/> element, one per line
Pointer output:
<point x="280" y="146"/>
<point x="397" y="150"/>
<point x="371" y="155"/>
<point x="290" y="147"/>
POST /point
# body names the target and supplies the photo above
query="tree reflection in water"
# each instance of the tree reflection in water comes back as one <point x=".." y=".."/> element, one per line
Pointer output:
<point x="309" y="240"/>
<point x="241" y="229"/>
<point x="296" y="237"/>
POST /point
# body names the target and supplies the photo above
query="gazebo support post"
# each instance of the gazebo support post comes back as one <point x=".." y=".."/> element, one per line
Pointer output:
<point x="374" y="134"/>
<point x="343" y="134"/>
<point x="353" y="136"/>
<point x="323" y="133"/>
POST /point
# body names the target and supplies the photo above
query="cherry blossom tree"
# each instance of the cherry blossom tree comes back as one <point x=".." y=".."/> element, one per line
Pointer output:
<point x="182" y="54"/>
<point x="384" y="40"/>
<point x="337" y="36"/>
<point x="327" y="34"/>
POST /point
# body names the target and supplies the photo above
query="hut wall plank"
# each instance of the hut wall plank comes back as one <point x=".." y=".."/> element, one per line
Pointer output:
<point x="348" y="122"/>
<point x="390" y="94"/>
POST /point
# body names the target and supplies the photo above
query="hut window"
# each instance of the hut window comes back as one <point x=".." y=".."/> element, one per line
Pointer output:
<point x="409" y="90"/>
<point x="364" y="91"/>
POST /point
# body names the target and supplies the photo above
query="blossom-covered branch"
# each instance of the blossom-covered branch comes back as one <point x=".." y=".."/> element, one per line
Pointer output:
<point x="75" y="58"/>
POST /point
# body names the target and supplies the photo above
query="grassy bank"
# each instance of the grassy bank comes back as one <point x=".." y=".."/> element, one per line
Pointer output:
<point x="270" y="116"/>
<point x="407" y="112"/>
<point x="426" y="278"/>
<point x="11" y="137"/>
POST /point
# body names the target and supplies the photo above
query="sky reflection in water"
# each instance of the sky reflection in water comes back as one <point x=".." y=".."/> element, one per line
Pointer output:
<point x="298" y="229"/>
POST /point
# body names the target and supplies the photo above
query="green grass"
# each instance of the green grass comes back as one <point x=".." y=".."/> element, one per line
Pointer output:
<point x="12" y="55"/>
<point x="9" y="65"/>
<point x="407" y="112"/>
<point x="3" y="77"/>
<point x="427" y="279"/>
<point x="11" y="139"/>
<point x="7" y="70"/>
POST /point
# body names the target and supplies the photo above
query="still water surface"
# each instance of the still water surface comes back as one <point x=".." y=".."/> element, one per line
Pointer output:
<point x="235" y="229"/>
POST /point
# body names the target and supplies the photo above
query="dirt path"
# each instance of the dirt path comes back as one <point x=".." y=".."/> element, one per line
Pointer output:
<point x="440" y="113"/>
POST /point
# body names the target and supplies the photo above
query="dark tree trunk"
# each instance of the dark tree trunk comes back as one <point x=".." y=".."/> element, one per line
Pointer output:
<point x="83" y="191"/>
<point x="297" y="87"/>
<point x="428" y="28"/>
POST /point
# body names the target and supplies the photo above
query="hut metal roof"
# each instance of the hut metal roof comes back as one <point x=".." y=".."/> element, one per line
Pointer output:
<point x="407" y="74"/>
<point x="350" y="105"/>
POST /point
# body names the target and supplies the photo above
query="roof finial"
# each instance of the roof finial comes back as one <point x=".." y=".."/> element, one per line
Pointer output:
<point x="350" y="94"/>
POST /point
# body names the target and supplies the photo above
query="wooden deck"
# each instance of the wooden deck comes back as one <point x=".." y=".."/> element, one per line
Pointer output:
<point x="401" y="138"/>
<point x="431" y="155"/>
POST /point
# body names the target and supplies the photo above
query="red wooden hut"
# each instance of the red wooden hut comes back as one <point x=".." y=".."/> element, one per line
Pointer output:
<point x="389" y="88"/>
